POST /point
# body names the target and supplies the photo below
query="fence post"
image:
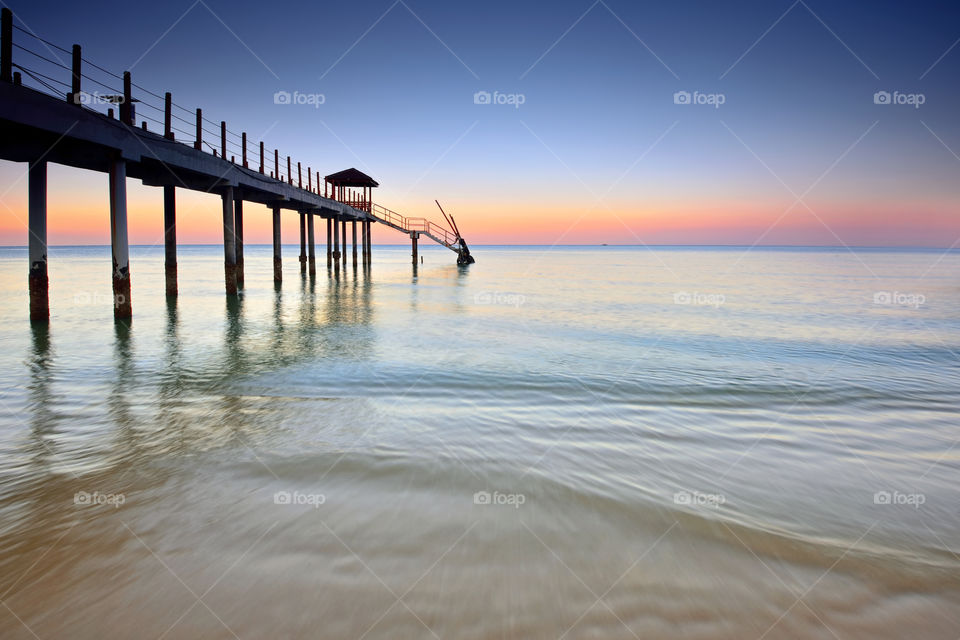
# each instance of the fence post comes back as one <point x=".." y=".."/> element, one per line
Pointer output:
<point x="126" y="107"/>
<point x="74" y="95"/>
<point x="244" y="136"/>
<point x="223" y="139"/>
<point x="198" y="143"/>
<point x="261" y="156"/>
<point x="6" y="45"/>
<point x="168" y="116"/>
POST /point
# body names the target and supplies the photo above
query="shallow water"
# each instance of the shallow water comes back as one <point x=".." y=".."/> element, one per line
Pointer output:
<point x="675" y="442"/>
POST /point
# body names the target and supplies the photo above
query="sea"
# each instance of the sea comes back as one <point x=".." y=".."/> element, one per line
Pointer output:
<point x="555" y="442"/>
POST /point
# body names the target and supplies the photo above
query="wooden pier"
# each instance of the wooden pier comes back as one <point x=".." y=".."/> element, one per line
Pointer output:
<point x="45" y="119"/>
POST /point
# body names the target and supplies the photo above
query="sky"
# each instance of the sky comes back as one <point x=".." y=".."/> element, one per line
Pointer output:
<point x="776" y="122"/>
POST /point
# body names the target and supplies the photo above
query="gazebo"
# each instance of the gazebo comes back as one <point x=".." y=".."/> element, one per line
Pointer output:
<point x="343" y="187"/>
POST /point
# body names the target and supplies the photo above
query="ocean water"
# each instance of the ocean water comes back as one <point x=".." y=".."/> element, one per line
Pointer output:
<point x="605" y="442"/>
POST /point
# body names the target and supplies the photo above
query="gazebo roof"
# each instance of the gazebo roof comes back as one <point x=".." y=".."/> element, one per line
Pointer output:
<point x="352" y="178"/>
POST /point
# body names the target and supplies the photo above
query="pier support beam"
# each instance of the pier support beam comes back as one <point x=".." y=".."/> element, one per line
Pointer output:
<point x="363" y="241"/>
<point x="353" y="224"/>
<point x="119" y="242"/>
<point x="238" y="234"/>
<point x="311" y="249"/>
<point x="413" y="241"/>
<point x="229" y="246"/>
<point x="343" y="225"/>
<point x="336" y="244"/>
<point x="170" y="238"/>
<point x="329" y="243"/>
<point x="303" y="242"/>
<point x="277" y="260"/>
<point x="38" y="281"/>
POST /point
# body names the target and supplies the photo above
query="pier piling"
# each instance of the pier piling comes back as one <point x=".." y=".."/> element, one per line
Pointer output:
<point x="329" y="243"/>
<point x="353" y="224"/>
<point x="277" y="260"/>
<point x="311" y="248"/>
<point x="170" y="238"/>
<point x="229" y="246"/>
<point x="238" y="235"/>
<point x="38" y="282"/>
<point x="303" y="242"/>
<point x="413" y="241"/>
<point x="343" y="234"/>
<point x="119" y="242"/>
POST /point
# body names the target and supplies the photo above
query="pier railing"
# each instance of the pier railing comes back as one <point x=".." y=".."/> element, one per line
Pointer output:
<point x="65" y="73"/>
<point x="421" y="225"/>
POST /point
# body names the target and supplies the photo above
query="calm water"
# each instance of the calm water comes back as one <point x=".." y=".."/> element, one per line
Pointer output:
<point x="567" y="443"/>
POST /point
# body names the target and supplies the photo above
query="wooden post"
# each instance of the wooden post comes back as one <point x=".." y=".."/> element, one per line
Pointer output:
<point x="122" y="304"/>
<point x="309" y="177"/>
<point x="6" y="45"/>
<point x="168" y="116"/>
<point x="303" y="242"/>
<point x="413" y="238"/>
<point x="223" y="139"/>
<point x="289" y="172"/>
<point x="75" y="75"/>
<point x="276" y="162"/>
<point x="312" y="251"/>
<point x="353" y="224"/>
<point x="277" y="263"/>
<point x="37" y="241"/>
<point x="198" y="142"/>
<point x="299" y="177"/>
<point x="261" y="156"/>
<point x="329" y="243"/>
<point x="238" y="234"/>
<point x="170" y="238"/>
<point x="229" y="244"/>
<point x="243" y="154"/>
<point x="344" y="235"/>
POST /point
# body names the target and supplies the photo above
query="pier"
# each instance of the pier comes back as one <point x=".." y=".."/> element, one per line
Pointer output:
<point x="48" y="116"/>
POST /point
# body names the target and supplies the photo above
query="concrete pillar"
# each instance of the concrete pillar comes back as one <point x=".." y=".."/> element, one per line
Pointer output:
<point x="238" y="234"/>
<point x="336" y="243"/>
<point x="311" y="247"/>
<point x="170" y="238"/>
<point x="38" y="282"/>
<point x="413" y="239"/>
<point x="303" y="242"/>
<point x="353" y="224"/>
<point x="119" y="242"/>
<point x="369" y="242"/>
<point x="277" y="261"/>
<point x="229" y="246"/>
<point x="329" y="243"/>
<point x="343" y="225"/>
<point x="363" y="241"/>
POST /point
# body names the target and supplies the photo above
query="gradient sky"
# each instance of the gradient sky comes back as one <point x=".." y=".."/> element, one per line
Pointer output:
<point x="799" y="153"/>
